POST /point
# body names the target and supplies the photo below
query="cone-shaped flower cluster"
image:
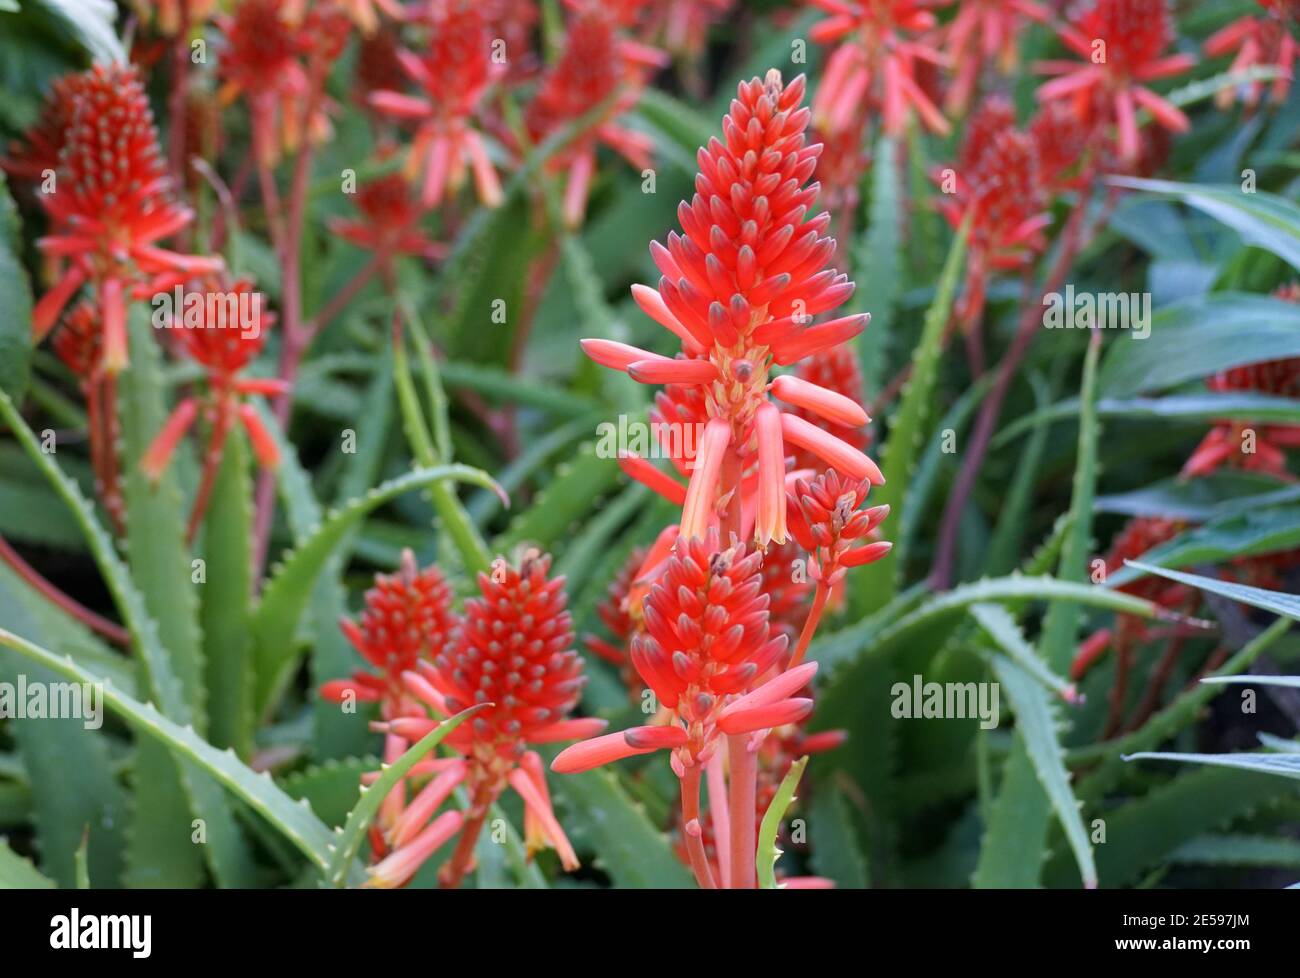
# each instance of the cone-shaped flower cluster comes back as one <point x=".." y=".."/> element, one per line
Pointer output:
<point x="876" y="63"/>
<point x="599" y="66"/>
<point x="407" y="619"/>
<point x="222" y="329"/>
<point x="512" y="653"/>
<point x="1123" y="44"/>
<point x="998" y="187"/>
<point x="827" y="520"/>
<point x="1267" y="40"/>
<point x="738" y="288"/>
<point x="109" y="205"/>
<point x="454" y="73"/>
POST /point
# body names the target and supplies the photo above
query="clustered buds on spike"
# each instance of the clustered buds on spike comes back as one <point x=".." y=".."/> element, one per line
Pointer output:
<point x="738" y="288"/>
<point x="598" y="67"/>
<point x="454" y="73"/>
<point x="827" y="521"/>
<point x="1123" y="45"/>
<point x="512" y="656"/>
<point x="998" y="188"/>
<point x="407" y="618"/>
<point x="877" y="63"/>
<point x="109" y="206"/>
<point x="980" y="33"/>
<point x="1267" y="40"/>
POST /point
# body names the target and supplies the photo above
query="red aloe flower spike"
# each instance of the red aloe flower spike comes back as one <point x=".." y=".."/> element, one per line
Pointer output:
<point x="388" y="225"/>
<point x="454" y="73"/>
<point x="512" y="651"/>
<point x="109" y="208"/>
<point x="738" y="289"/>
<point x="1123" y="44"/>
<point x="223" y="330"/>
<point x="407" y="618"/>
<point x="597" y="65"/>
<point x="998" y="186"/>
<point x="877" y="61"/>
<point x="1267" y="40"/>
<point x="37" y="153"/>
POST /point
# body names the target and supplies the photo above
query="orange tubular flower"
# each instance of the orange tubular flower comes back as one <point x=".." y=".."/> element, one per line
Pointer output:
<point x="1267" y="40"/>
<point x="514" y="652"/>
<point x="1122" y="42"/>
<point x="598" y="66"/>
<point x="454" y="73"/>
<point x="109" y="206"/>
<point x="224" y="331"/>
<point x="983" y="32"/>
<point x="707" y="643"/>
<point x="875" y="63"/>
<point x="737" y="288"/>
<point x="998" y="186"/>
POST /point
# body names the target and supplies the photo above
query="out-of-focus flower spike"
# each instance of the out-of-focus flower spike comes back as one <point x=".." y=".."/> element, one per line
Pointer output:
<point x="160" y="450"/>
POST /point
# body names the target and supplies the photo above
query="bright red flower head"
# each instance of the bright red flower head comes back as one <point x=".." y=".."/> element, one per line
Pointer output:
<point x="738" y="289"/>
<point x="514" y="651"/>
<point x="876" y="63"/>
<point x="1267" y="40"/>
<point x="999" y="188"/>
<point x="454" y="73"/>
<point x="389" y="220"/>
<point x="407" y="619"/>
<point x="1123" y="43"/>
<point x="37" y="153"/>
<point x="597" y="66"/>
<point x="109" y="206"/>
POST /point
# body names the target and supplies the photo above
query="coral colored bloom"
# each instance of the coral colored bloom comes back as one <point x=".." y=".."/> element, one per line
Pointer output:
<point x="835" y="370"/>
<point x="827" y="521"/>
<point x="1267" y="40"/>
<point x="738" y="288"/>
<point x="514" y="652"/>
<point x="599" y="66"/>
<point x="36" y="155"/>
<point x="388" y="223"/>
<point x="984" y="32"/>
<point x="876" y="63"/>
<point x="223" y="329"/>
<point x="109" y="208"/>
<point x="407" y="619"/>
<point x="454" y="73"/>
<point x="1123" y="45"/>
<point x="999" y="188"/>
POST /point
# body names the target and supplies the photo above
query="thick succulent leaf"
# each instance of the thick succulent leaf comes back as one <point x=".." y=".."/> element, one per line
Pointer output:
<point x="879" y="263"/>
<point x="1256" y="597"/>
<point x="564" y="502"/>
<point x="768" y="829"/>
<point x="17" y="873"/>
<point x="1239" y="850"/>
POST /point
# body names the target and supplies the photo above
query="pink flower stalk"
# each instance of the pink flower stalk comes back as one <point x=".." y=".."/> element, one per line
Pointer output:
<point x="215" y="334"/>
<point x="738" y="288"/>
<point x="998" y="187"/>
<point x="1122" y="43"/>
<point x="984" y="32"/>
<point x="1266" y="40"/>
<point x="707" y="643"/>
<point x="454" y="73"/>
<point x="598" y="66"/>
<point x="109" y="207"/>
<point x="876" y="63"/>
<point x="513" y="652"/>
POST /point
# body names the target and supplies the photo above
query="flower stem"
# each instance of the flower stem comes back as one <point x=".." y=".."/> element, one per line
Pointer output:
<point x="810" y="623"/>
<point x="743" y="802"/>
<point x="113" y="632"/>
<point x="691" y="828"/>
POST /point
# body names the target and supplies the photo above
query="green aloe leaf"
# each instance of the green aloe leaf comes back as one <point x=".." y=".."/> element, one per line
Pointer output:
<point x="879" y="264"/>
<point x="293" y="819"/>
<point x="876" y="584"/>
<point x="1257" y="597"/>
<point x="565" y="501"/>
<point x="768" y="853"/>
<point x="17" y="873"/>
<point x="15" y="301"/>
